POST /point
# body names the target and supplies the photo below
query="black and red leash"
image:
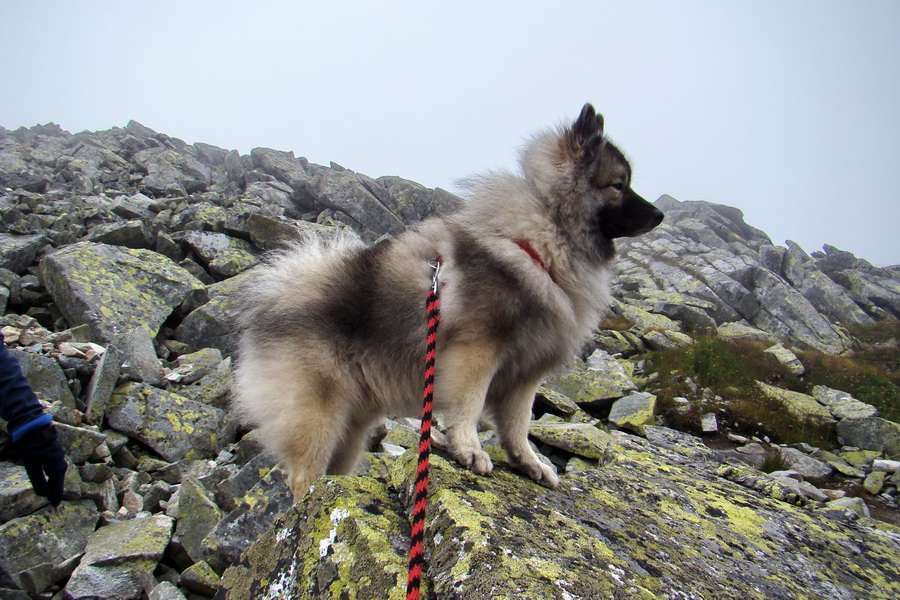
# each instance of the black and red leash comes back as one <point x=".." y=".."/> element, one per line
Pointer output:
<point x="417" y="536"/>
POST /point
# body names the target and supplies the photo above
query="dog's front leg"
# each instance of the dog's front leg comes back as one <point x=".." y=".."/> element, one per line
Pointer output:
<point x="513" y="416"/>
<point x="463" y="375"/>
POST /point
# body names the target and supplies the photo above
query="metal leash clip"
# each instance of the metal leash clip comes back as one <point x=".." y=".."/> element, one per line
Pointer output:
<point x="437" y="265"/>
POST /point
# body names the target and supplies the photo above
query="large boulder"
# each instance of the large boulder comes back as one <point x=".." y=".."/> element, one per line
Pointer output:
<point x="173" y="426"/>
<point x="113" y="289"/>
<point x="647" y="525"/>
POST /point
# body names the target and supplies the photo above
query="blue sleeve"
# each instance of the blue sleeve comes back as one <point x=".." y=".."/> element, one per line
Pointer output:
<point x="19" y="406"/>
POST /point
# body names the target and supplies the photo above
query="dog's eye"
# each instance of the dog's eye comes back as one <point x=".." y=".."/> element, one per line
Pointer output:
<point x="617" y="186"/>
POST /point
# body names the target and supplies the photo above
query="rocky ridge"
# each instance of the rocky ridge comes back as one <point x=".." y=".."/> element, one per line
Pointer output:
<point x="119" y="255"/>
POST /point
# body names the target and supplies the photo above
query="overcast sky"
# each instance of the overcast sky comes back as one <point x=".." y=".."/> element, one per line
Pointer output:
<point x="787" y="110"/>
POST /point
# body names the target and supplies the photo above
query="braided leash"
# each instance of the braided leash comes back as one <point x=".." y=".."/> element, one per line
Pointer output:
<point x="416" y="550"/>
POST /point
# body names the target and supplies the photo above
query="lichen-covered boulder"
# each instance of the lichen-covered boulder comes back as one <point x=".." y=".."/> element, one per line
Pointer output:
<point x="17" y="252"/>
<point x="650" y="524"/>
<point x="802" y="407"/>
<point x="214" y="325"/>
<point x="120" y="559"/>
<point x="594" y="384"/>
<point x="582" y="439"/>
<point x="17" y="498"/>
<point x="46" y="377"/>
<point x="197" y="515"/>
<point x="347" y="538"/>
<point x="255" y="513"/>
<point x="39" y="549"/>
<point x="113" y="289"/>
<point x="634" y="411"/>
<point x="173" y="426"/>
<point x="224" y="255"/>
<point x="872" y="433"/>
<point x="842" y="405"/>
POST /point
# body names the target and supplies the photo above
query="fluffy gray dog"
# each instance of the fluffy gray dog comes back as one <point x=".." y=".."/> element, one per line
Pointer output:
<point x="334" y="331"/>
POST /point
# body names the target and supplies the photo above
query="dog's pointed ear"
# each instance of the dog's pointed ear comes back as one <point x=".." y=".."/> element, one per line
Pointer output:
<point x="586" y="135"/>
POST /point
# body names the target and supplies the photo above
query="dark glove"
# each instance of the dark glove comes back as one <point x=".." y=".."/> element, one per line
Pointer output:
<point x="41" y="454"/>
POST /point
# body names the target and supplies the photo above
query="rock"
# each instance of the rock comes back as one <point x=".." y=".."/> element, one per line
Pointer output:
<point x="888" y="466"/>
<point x="633" y="412"/>
<point x="709" y="423"/>
<point x="842" y="405"/>
<point x="214" y="325"/>
<point x="200" y="579"/>
<point x="16" y="495"/>
<point x="582" y="439"/>
<point x="224" y="255"/>
<point x="807" y="466"/>
<point x="41" y="549"/>
<point x="874" y="481"/>
<point x="120" y="558"/>
<point x="197" y="516"/>
<point x="787" y="358"/>
<point x="198" y="365"/>
<point x="737" y="332"/>
<point x="800" y="406"/>
<point x="102" y="384"/>
<point x="662" y="340"/>
<point x="79" y="443"/>
<point x="17" y="252"/>
<point x="559" y="402"/>
<point x="595" y="385"/>
<point x="46" y="377"/>
<point x="114" y="290"/>
<point x="214" y="388"/>
<point x="166" y="591"/>
<point x="600" y="535"/>
<point x="173" y="426"/>
<point x="873" y="433"/>
<point x="139" y="359"/>
<point x="254" y="515"/>
<point x="857" y="506"/>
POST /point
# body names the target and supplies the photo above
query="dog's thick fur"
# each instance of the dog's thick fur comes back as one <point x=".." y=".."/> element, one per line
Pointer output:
<point x="334" y="332"/>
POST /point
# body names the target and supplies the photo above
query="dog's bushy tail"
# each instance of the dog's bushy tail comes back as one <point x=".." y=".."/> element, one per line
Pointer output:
<point x="302" y="263"/>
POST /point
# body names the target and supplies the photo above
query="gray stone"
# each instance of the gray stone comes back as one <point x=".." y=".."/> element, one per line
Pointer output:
<point x="198" y="365"/>
<point x="873" y="433"/>
<point x="224" y="255"/>
<point x="591" y="386"/>
<point x="114" y="290"/>
<point x="46" y="377"/>
<point x="709" y="423"/>
<point x="633" y="412"/>
<point x="787" y="358"/>
<point x="120" y="559"/>
<point x="230" y="491"/>
<point x="582" y="439"/>
<point x="173" y="426"/>
<point x="200" y="579"/>
<point x="254" y="514"/>
<point x="41" y="549"/>
<point x="17" y="498"/>
<point x="801" y="406"/>
<point x="807" y="466"/>
<point x="214" y="325"/>
<point x="197" y="516"/>
<point x="102" y="384"/>
<point x="17" y="252"/>
<point x="139" y="359"/>
<point x="842" y="405"/>
<point x="166" y="591"/>
<point x="855" y="505"/>
<point x="130" y="234"/>
<point x="79" y="443"/>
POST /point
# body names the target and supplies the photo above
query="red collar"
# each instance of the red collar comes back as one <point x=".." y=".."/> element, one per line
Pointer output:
<point x="530" y="251"/>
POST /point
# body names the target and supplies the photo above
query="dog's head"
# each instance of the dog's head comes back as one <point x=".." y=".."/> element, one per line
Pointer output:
<point x="587" y="181"/>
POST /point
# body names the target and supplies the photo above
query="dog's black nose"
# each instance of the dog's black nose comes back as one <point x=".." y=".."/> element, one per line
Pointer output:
<point x="657" y="217"/>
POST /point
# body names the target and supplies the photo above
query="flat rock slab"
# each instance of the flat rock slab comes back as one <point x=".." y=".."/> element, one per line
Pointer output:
<point x="39" y="549"/>
<point x="801" y="406"/>
<point x="120" y="558"/>
<point x="173" y="426"/>
<point x="639" y="527"/>
<point x="873" y="433"/>
<point x="634" y="412"/>
<point x="114" y="289"/>
<point x="582" y="439"/>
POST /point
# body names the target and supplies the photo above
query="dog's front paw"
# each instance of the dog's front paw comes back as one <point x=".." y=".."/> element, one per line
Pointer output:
<point x="540" y="473"/>
<point x="477" y="460"/>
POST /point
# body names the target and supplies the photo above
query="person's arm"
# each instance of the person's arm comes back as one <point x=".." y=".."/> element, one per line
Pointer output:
<point x="31" y="430"/>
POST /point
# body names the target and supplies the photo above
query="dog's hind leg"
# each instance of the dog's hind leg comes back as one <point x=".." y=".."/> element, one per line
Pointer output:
<point x="513" y="415"/>
<point x="348" y="451"/>
<point x="464" y="373"/>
